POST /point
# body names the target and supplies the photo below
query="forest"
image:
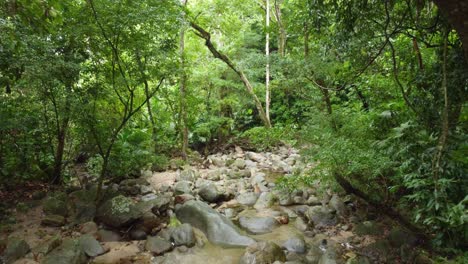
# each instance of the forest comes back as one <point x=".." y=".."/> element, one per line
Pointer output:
<point x="351" y="115"/>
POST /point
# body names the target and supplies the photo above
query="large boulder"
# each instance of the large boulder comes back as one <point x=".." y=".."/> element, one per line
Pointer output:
<point x="264" y="252"/>
<point x="69" y="252"/>
<point x="258" y="224"/>
<point x="217" y="228"/>
<point x="118" y="212"/>
<point x="16" y="248"/>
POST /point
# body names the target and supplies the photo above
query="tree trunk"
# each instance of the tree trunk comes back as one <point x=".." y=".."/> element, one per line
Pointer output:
<point x="456" y="12"/>
<point x="282" y="31"/>
<point x="267" y="68"/>
<point x="207" y="37"/>
<point x="183" y="91"/>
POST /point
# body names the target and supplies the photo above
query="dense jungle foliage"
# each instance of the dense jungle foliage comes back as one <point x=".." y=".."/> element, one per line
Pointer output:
<point x="374" y="91"/>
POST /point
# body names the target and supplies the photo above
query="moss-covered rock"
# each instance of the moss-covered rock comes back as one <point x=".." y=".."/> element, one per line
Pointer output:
<point x="56" y="204"/>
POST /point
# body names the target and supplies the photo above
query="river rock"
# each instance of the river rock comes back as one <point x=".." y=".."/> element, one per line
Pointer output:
<point x="338" y="205"/>
<point x="217" y="228"/>
<point x="239" y="164"/>
<point x="209" y="192"/>
<point x="295" y="244"/>
<point x="258" y="225"/>
<point x="255" y="157"/>
<point x="48" y="245"/>
<point x="118" y="212"/>
<point x="89" y="228"/>
<point x="265" y="200"/>
<point x="53" y="220"/>
<point x="108" y="236"/>
<point x="16" y="248"/>
<point x="183" y="235"/>
<point x="138" y="234"/>
<point x="157" y="245"/>
<point x="321" y="216"/>
<point x="69" y="252"/>
<point x="183" y="187"/>
<point x="264" y="252"/>
<point x="91" y="246"/>
<point x="248" y="198"/>
<point x="56" y="204"/>
<point x="187" y="175"/>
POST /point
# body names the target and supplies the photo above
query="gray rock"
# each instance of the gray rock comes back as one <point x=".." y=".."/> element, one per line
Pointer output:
<point x="258" y="225"/>
<point x="217" y="161"/>
<point x="118" y="212"/>
<point x="239" y="164"/>
<point x="187" y="175"/>
<point x="328" y="258"/>
<point x="265" y="200"/>
<point x="15" y="249"/>
<point x="157" y="245"/>
<point x="338" y="205"/>
<point x="56" y="204"/>
<point x="145" y="189"/>
<point x="295" y="244"/>
<point x="359" y="260"/>
<point x="321" y="216"/>
<point x="53" y="220"/>
<point x="89" y="228"/>
<point x="214" y="175"/>
<point x="182" y="187"/>
<point x="183" y="235"/>
<point x="83" y="205"/>
<point x="286" y="199"/>
<point x="234" y="174"/>
<point x="91" y="246"/>
<point x="248" y="198"/>
<point x="313" y="200"/>
<point x="108" y="236"/>
<point x="69" y="252"/>
<point x="217" y="228"/>
<point x="264" y="252"/>
<point x="255" y="157"/>
<point x="209" y="192"/>
<point x="48" y="245"/>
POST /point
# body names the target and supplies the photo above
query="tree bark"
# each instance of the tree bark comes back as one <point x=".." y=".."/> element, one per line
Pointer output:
<point x="183" y="91"/>
<point x="282" y="31"/>
<point x="456" y="12"/>
<point x="207" y="37"/>
<point x="267" y="67"/>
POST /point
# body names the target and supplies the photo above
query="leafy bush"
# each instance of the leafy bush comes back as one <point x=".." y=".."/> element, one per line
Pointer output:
<point x="262" y="138"/>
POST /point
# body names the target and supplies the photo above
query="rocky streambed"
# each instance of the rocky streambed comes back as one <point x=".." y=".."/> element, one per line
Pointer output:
<point x="223" y="209"/>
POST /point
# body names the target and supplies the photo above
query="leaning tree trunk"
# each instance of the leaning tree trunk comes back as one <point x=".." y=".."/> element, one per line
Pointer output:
<point x="207" y="37"/>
